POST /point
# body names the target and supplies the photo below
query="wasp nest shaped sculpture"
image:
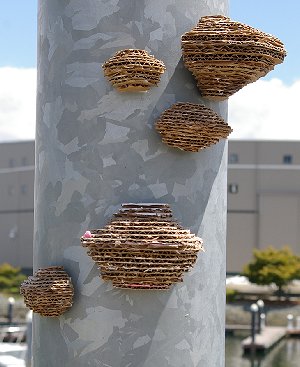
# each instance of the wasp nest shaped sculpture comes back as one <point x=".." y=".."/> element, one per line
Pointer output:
<point x="133" y="70"/>
<point x="191" y="127"/>
<point x="48" y="292"/>
<point x="224" y="55"/>
<point x="143" y="247"/>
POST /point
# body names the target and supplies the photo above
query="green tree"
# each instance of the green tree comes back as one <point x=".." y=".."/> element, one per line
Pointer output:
<point x="273" y="266"/>
<point x="10" y="278"/>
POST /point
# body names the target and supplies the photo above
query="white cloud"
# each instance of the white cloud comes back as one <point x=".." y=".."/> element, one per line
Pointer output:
<point x="17" y="103"/>
<point x="266" y="109"/>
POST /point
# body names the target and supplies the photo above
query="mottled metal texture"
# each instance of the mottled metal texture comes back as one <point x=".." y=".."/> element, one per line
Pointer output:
<point x="97" y="148"/>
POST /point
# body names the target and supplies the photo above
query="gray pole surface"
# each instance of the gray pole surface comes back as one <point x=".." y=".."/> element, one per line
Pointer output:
<point x="97" y="148"/>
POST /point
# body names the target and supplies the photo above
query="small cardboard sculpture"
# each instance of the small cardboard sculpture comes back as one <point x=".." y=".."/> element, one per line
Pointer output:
<point x="224" y="55"/>
<point x="48" y="292"/>
<point x="133" y="70"/>
<point x="142" y="247"/>
<point x="191" y="127"/>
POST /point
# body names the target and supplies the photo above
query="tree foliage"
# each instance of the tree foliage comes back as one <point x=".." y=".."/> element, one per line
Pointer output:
<point x="273" y="266"/>
<point x="10" y="278"/>
<point x="230" y="295"/>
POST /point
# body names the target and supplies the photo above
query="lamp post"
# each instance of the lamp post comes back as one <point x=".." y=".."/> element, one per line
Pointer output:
<point x="262" y="321"/>
<point x="10" y="309"/>
<point x="254" y="310"/>
<point x="260" y="303"/>
<point x="290" y="321"/>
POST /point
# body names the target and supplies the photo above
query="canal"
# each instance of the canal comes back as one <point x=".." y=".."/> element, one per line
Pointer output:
<point x="285" y="354"/>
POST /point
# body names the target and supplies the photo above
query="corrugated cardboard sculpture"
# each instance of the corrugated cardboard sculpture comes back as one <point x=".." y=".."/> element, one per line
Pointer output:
<point x="48" y="292"/>
<point x="143" y="247"/>
<point x="224" y="55"/>
<point x="133" y="70"/>
<point x="191" y="127"/>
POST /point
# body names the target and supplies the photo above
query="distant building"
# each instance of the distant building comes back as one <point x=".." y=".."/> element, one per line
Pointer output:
<point x="263" y="198"/>
<point x="16" y="203"/>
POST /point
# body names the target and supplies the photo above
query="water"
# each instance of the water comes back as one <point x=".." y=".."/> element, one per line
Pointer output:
<point x="285" y="354"/>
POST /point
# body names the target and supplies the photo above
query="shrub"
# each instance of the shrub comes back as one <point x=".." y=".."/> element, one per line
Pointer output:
<point x="273" y="266"/>
<point x="230" y="295"/>
<point x="10" y="279"/>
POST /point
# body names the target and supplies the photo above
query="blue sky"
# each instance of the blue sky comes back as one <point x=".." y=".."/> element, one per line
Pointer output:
<point x="255" y="112"/>
<point x="18" y="24"/>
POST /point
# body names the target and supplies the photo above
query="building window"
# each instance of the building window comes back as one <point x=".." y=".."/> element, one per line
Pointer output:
<point x="23" y="189"/>
<point x="233" y="188"/>
<point x="11" y="162"/>
<point x="233" y="158"/>
<point x="287" y="159"/>
<point x="24" y="161"/>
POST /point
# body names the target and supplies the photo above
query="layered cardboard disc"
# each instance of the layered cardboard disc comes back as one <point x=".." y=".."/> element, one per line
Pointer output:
<point x="191" y="127"/>
<point x="48" y="292"/>
<point x="133" y="70"/>
<point x="224" y="55"/>
<point x="143" y="247"/>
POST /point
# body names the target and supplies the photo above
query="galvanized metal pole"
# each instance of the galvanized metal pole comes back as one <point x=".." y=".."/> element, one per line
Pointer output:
<point x="97" y="148"/>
